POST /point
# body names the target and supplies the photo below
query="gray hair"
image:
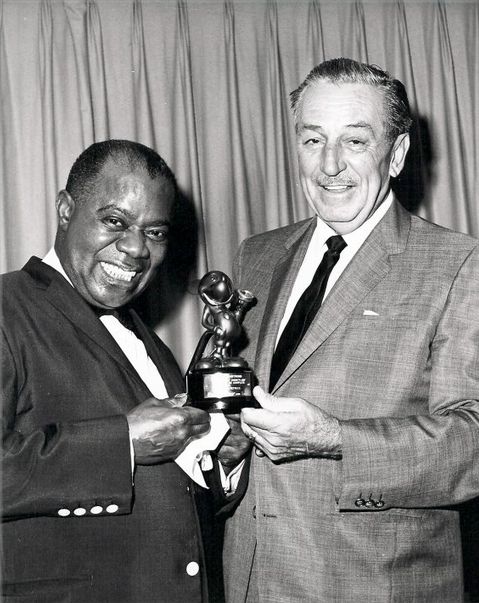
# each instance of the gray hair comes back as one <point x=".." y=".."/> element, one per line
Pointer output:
<point x="396" y="104"/>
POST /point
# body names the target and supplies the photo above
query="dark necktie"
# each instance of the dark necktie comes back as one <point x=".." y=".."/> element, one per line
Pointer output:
<point x="305" y="310"/>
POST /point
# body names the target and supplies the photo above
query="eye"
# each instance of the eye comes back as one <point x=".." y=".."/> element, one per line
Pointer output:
<point x="157" y="235"/>
<point x="356" y="142"/>
<point x="114" y="223"/>
<point x="311" y="142"/>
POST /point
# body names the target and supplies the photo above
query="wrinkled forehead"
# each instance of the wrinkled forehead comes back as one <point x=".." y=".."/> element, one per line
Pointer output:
<point x="328" y="104"/>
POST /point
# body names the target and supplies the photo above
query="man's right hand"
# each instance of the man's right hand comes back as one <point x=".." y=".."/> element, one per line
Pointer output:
<point x="160" y="431"/>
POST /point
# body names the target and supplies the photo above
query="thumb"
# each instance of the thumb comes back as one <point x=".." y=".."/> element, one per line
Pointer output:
<point x="266" y="400"/>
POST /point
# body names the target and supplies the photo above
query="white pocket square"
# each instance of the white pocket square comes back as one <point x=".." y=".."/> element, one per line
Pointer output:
<point x="370" y="313"/>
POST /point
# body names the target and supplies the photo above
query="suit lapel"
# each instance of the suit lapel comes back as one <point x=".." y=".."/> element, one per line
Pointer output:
<point x="368" y="267"/>
<point x="65" y="299"/>
<point x="161" y="356"/>
<point x="284" y="275"/>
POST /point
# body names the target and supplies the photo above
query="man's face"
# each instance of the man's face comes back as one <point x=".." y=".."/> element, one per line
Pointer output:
<point x="345" y="158"/>
<point x="112" y="242"/>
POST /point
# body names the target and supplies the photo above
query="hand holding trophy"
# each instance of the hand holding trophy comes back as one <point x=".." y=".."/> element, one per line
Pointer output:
<point x="219" y="381"/>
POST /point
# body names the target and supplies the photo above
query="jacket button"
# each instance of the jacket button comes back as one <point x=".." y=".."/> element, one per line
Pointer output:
<point x="112" y="509"/>
<point x="359" y="502"/>
<point x="63" y="512"/>
<point x="192" y="568"/>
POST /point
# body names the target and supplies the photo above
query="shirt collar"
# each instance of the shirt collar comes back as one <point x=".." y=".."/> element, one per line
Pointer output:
<point x="357" y="237"/>
<point x="52" y="260"/>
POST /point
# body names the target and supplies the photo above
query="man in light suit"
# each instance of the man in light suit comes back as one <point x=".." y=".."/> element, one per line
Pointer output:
<point x="370" y="432"/>
<point x="94" y="508"/>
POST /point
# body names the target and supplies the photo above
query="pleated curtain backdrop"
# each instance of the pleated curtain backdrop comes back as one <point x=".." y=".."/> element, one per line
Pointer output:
<point x="206" y="84"/>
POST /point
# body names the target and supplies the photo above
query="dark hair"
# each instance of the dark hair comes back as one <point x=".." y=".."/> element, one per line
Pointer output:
<point x="397" y="111"/>
<point x="84" y="172"/>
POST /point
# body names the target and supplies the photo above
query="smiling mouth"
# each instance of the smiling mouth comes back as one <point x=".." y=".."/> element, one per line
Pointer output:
<point x="117" y="273"/>
<point x="336" y="188"/>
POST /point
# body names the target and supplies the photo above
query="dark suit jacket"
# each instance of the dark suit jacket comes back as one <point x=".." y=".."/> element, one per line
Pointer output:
<point x="66" y="389"/>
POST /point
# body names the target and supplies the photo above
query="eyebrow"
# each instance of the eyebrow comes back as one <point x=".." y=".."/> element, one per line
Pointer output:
<point x="363" y="125"/>
<point x="129" y="215"/>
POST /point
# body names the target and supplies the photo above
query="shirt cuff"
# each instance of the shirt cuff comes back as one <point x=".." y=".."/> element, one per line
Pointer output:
<point x="132" y="455"/>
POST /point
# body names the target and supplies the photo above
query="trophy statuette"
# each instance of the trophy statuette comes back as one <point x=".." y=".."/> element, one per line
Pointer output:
<point x="220" y="381"/>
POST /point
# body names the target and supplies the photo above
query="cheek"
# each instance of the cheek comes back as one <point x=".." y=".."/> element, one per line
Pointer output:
<point x="157" y="256"/>
<point x="367" y="172"/>
<point x="306" y="163"/>
<point x="86" y="241"/>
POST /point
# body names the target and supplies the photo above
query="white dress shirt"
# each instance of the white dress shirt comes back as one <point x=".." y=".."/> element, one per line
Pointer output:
<point x="317" y="248"/>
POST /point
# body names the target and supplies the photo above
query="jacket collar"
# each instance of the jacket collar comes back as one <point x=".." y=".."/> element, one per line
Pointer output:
<point x="65" y="299"/>
<point x="292" y="250"/>
<point x="370" y="264"/>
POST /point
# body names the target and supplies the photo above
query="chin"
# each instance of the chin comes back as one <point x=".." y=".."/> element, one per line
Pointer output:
<point x="338" y="217"/>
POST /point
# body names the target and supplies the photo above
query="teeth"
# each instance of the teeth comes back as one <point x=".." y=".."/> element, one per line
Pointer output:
<point x="336" y="187"/>
<point x="118" y="273"/>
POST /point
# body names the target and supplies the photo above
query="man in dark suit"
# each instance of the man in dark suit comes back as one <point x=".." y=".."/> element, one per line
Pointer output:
<point x="94" y="508"/>
<point x="365" y="342"/>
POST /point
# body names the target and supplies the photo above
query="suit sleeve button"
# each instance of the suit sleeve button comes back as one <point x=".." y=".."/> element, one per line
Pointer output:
<point x="192" y="568"/>
<point x="79" y="511"/>
<point x="96" y="510"/>
<point x="64" y="512"/>
<point x="369" y="503"/>
<point x="112" y="508"/>
<point x="359" y="502"/>
<point x="379" y="504"/>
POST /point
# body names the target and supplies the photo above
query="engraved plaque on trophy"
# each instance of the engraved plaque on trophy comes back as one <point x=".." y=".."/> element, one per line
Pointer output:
<point x="220" y="381"/>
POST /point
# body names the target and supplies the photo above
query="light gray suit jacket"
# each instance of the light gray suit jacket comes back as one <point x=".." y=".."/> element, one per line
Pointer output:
<point x="394" y="354"/>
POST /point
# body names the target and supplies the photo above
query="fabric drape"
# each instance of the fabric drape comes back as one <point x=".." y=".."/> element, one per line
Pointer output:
<point x="206" y="84"/>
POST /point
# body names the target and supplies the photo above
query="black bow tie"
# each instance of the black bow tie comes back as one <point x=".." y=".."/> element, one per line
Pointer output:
<point x="121" y="314"/>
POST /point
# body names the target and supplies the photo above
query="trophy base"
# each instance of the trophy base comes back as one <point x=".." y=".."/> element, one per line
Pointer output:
<point x="228" y="406"/>
<point x="221" y="389"/>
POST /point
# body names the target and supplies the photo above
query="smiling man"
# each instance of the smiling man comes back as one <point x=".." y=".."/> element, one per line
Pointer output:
<point x="365" y="344"/>
<point x="94" y="507"/>
<point x="346" y="154"/>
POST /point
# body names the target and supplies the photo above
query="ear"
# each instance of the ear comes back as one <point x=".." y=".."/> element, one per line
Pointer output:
<point x="65" y="208"/>
<point x="398" y="154"/>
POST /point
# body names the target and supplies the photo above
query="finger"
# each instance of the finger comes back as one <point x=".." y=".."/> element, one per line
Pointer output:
<point x="179" y="400"/>
<point x="249" y="433"/>
<point x="199" y="429"/>
<point x="233" y="417"/>
<point x="277" y="403"/>
<point x="260" y="418"/>
<point x="159" y="403"/>
<point x="266" y="400"/>
<point x="196" y="415"/>
<point x="253" y="431"/>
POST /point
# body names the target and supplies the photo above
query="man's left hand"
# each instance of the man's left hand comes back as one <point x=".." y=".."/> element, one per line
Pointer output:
<point x="236" y="445"/>
<point x="291" y="428"/>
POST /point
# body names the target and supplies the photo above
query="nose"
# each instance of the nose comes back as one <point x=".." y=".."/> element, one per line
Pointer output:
<point x="133" y="243"/>
<point x="332" y="162"/>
